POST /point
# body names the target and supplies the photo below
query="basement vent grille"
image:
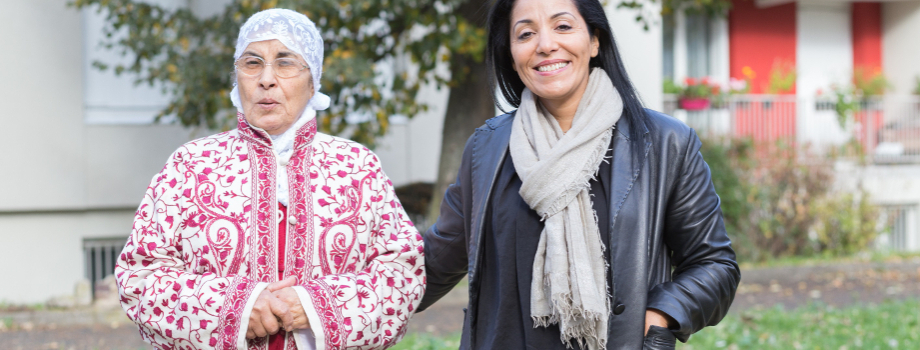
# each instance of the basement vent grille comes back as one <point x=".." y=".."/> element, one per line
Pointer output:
<point x="99" y="256"/>
<point x="902" y="229"/>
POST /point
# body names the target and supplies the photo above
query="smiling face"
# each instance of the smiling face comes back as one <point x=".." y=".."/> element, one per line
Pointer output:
<point x="269" y="102"/>
<point x="551" y="48"/>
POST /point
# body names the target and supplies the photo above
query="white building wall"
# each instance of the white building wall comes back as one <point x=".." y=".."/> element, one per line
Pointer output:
<point x="900" y="44"/>
<point x="824" y="46"/>
<point x="65" y="180"/>
<point x="641" y="50"/>
<point x="43" y="110"/>
<point x="410" y="152"/>
<point x="42" y="252"/>
<point x="887" y="186"/>
<point x="824" y="58"/>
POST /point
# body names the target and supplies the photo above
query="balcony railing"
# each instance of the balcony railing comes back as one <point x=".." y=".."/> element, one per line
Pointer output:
<point x="885" y="129"/>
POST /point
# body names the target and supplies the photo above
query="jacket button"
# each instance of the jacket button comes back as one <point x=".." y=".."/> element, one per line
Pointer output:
<point x="292" y="220"/>
<point x="619" y="309"/>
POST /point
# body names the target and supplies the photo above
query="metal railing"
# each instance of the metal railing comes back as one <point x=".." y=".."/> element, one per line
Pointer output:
<point x="884" y="129"/>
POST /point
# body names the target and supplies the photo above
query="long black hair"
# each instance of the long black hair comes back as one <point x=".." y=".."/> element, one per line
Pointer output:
<point x="503" y="78"/>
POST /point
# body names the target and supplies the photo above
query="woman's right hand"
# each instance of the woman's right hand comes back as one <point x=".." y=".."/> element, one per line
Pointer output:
<point x="298" y="315"/>
<point x="263" y="320"/>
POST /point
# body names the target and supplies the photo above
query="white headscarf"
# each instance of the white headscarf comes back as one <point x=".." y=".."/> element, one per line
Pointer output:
<point x="300" y="35"/>
<point x="297" y="33"/>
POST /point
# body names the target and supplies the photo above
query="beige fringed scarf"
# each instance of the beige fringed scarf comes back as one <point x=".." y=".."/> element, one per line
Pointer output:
<point x="569" y="271"/>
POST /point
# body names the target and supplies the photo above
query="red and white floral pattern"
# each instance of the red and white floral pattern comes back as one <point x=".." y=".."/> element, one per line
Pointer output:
<point x="206" y="233"/>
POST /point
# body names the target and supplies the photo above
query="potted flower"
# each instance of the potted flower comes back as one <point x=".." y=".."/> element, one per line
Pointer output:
<point x="695" y="96"/>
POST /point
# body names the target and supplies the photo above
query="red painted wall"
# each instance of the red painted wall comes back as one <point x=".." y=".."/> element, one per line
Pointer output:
<point x="867" y="36"/>
<point x="759" y="37"/>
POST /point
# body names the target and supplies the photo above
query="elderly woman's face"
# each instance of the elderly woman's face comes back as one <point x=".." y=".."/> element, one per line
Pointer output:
<point x="551" y="48"/>
<point x="269" y="102"/>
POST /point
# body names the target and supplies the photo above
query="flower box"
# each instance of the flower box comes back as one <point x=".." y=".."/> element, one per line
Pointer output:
<point x="693" y="104"/>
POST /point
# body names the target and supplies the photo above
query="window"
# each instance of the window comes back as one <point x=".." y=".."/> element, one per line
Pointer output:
<point x="698" y="45"/>
<point x="695" y="46"/>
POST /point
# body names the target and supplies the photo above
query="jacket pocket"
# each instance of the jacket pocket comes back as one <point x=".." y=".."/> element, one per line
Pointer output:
<point x="659" y="338"/>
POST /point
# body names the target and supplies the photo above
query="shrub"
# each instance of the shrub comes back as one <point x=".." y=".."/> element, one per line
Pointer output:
<point x="777" y="205"/>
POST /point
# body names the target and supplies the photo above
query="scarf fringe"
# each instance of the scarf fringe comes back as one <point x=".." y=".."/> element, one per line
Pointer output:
<point x="579" y="323"/>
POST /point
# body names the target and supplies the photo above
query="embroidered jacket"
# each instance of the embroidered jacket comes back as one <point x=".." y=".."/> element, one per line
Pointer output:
<point x="204" y="244"/>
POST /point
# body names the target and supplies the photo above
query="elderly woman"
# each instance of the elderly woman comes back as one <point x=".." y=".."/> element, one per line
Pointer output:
<point x="272" y="236"/>
<point x="581" y="218"/>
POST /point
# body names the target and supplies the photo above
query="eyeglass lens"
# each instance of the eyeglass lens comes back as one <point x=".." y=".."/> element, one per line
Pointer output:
<point x="282" y="67"/>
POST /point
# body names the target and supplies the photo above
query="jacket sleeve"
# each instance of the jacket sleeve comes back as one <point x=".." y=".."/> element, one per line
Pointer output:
<point x="705" y="273"/>
<point x="370" y="308"/>
<point x="173" y="306"/>
<point x="446" y="241"/>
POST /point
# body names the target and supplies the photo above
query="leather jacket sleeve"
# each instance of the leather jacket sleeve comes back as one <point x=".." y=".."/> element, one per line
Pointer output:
<point x="446" y="260"/>
<point x="705" y="274"/>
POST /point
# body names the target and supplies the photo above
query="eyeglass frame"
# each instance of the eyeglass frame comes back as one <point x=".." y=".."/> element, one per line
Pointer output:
<point x="266" y="64"/>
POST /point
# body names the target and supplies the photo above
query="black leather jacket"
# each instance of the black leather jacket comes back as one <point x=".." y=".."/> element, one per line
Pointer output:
<point x="664" y="213"/>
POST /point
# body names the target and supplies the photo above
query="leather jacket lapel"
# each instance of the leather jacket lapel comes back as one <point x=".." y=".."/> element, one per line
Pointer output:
<point x="627" y="246"/>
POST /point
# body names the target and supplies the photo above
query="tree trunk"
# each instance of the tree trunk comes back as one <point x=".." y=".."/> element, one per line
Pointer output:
<point x="469" y="105"/>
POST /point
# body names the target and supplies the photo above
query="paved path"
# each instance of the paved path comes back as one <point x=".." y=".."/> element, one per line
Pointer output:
<point x="837" y="285"/>
<point x="77" y="337"/>
<point x="840" y="284"/>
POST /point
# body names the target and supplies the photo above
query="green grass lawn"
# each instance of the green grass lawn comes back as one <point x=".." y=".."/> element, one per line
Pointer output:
<point x="892" y="325"/>
<point x="423" y="341"/>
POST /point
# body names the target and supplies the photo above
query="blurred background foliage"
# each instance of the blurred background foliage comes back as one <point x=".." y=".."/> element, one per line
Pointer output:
<point x="778" y="203"/>
<point x="378" y="54"/>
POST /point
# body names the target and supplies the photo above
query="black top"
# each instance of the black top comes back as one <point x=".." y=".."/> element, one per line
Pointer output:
<point x="510" y="239"/>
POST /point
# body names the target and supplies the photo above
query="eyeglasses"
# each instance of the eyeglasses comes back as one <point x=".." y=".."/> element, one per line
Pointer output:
<point x="282" y="67"/>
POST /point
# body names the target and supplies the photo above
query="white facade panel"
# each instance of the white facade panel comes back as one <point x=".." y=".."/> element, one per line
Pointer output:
<point x="410" y="152"/>
<point x="44" y="141"/>
<point x="121" y="160"/>
<point x="824" y="46"/>
<point x="900" y="44"/>
<point x="42" y="253"/>
<point x="111" y="98"/>
<point x="641" y="50"/>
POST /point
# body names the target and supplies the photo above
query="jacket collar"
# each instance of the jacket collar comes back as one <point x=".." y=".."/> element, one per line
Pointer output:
<point x="623" y="127"/>
<point x="303" y="137"/>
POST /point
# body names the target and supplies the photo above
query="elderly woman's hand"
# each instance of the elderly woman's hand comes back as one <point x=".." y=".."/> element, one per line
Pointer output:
<point x="268" y="310"/>
<point x="298" y="319"/>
